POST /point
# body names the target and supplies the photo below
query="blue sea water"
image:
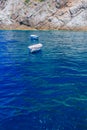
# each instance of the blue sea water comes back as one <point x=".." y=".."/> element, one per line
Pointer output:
<point x="45" y="90"/>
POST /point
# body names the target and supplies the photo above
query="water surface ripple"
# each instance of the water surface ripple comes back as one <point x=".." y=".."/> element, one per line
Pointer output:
<point x="46" y="90"/>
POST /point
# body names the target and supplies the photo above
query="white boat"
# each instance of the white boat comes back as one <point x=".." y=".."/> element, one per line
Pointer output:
<point x="35" y="47"/>
<point x="34" y="37"/>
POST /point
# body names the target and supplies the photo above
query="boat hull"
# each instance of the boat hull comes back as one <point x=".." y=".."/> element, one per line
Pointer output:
<point x="35" y="47"/>
<point x="34" y="37"/>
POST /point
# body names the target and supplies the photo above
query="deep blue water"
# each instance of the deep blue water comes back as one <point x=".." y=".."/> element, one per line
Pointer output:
<point x="46" y="90"/>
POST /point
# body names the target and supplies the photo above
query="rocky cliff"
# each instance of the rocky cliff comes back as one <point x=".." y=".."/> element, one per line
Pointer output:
<point x="44" y="14"/>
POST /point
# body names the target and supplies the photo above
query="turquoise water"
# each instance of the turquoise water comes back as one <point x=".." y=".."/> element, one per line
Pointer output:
<point x="45" y="90"/>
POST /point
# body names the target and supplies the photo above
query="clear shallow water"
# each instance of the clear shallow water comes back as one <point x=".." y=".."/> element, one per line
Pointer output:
<point x="46" y="90"/>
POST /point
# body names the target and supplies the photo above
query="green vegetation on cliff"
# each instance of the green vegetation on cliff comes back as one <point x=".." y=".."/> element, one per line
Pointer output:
<point x="26" y="1"/>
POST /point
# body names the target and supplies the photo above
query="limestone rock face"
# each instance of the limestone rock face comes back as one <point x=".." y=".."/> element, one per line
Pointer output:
<point x="60" y="3"/>
<point x="78" y="21"/>
<point x="2" y="4"/>
<point x="48" y="14"/>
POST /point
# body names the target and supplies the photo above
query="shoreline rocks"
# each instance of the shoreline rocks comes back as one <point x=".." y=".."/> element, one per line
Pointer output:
<point x="69" y="15"/>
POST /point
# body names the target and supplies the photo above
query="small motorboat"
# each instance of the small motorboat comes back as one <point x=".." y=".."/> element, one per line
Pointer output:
<point x="35" y="47"/>
<point x="34" y="37"/>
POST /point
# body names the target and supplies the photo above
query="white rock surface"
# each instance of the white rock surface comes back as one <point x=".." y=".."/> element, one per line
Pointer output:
<point x="44" y="14"/>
